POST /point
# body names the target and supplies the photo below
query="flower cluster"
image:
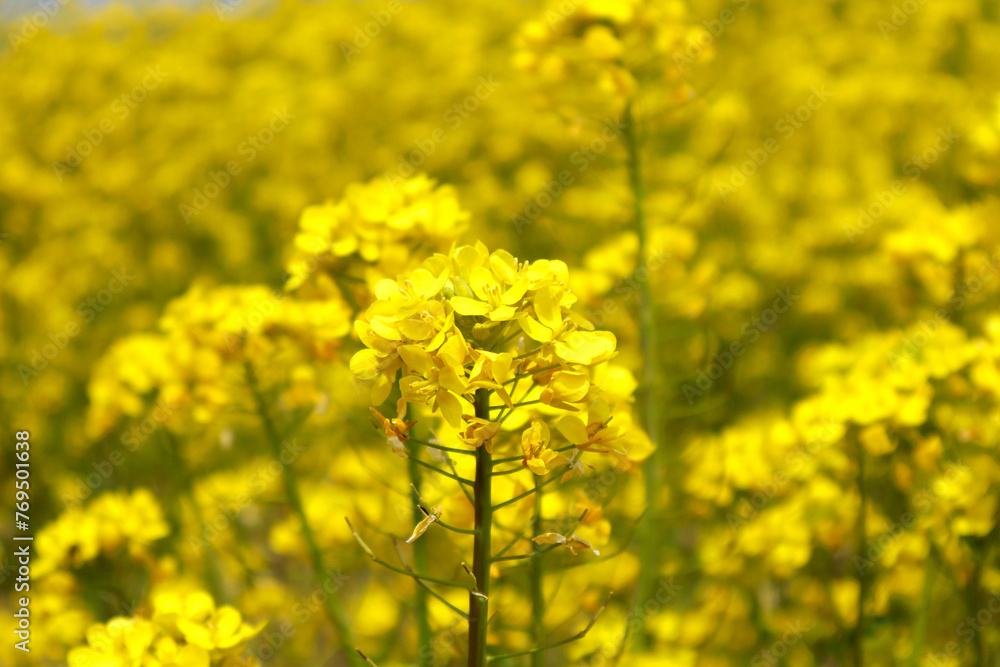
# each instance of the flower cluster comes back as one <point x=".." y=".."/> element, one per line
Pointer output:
<point x="188" y="372"/>
<point x="474" y="320"/>
<point x="112" y="522"/>
<point x="591" y="54"/>
<point x="184" y="631"/>
<point x="377" y="225"/>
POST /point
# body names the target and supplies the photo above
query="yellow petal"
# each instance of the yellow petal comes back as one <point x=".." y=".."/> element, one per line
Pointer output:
<point x="450" y="407"/>
<point x="453" y="352"/>
<point x="416" y="358"/>
<point x="573" y="429"/>
<point x="537" y="466"/>
<point x="547" y="310"/>
<point x="469" y="307"/>
<point x="503" y="265"/>
<point x="516" y="292"/>
<point x="534" y="329"/>
<point x="195" y="634"/>
<point x="501" y="367"/>
<point x="416" y="329"/>
<point x="482" y="282"/>
<point x="365" y="364"/>
<point x="586" y="347"/>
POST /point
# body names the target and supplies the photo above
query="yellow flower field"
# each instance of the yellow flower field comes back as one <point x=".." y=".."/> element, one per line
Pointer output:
<point x="550" y="332"/>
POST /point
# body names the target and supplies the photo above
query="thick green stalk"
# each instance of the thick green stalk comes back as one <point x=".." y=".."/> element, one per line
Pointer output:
<point x="482" y="494"/>
<point x="334" y="607"/>
<point x="649" y="406"/>
<point x="537" y="592"/>
<point x="425" y="652"/>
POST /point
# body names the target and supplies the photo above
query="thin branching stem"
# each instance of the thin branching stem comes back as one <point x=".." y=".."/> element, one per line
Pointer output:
<point x="333" y="604"/>
<point x="546" y="647"/>
<point x="461" y="531"/>
<point x="425" y="587"/>
<point x="536" y="489"/>
<point x="529" y="373"/>
<point x="421" y="616"/>
<point x="510" y="544"/>
<point x="509" y="471"/>
<point x="389" y="566"/>
<point x="442" y="472"/>
<point x="451" y="450"/>
<point x="465" y="491"/>
<point x="516" y="405"/>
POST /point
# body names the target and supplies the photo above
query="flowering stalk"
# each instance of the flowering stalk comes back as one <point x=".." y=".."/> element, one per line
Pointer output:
<point x="649" y="411"/>
<point x="456" y="332"/>
<point x="483" y="497"/>
<point x="334" y="607"/>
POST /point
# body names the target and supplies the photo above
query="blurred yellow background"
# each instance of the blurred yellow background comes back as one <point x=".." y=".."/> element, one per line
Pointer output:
<point x="812" y="475"/>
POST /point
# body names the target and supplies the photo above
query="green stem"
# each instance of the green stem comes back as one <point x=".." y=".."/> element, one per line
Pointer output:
<point x="479" y="600"/>
<point x="442" y="448"/>
<point x="529" y="373"/>
<point x="425" y="652"/>
<point x="862" y="538"/>
<point x="216" y="585"/>
<point x="460" y="480"/>
<point x="527" y="493"/>
<point x="537" y="593"/>
<point x="562" y="642"/>
<point x="334" y="605"/>
<point x="649" y="409"/>
<point x="514" y="541"/>
<point x="923" y="614"/>
<point x="516" y="405"/>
